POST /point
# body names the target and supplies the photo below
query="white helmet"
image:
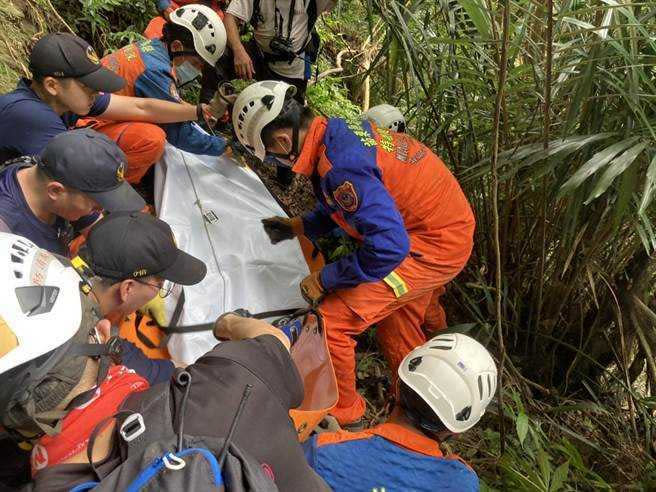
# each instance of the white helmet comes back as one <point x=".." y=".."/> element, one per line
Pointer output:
<point x="455" y="376"/>
<point x="257" y="106"/>
<point x="46" y="319"/>
<point x="40" y="302"/>
<point x="206" y="28"/>
<point x="386" y="116"/>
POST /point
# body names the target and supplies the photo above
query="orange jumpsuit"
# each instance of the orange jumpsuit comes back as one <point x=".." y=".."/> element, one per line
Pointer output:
<point x="155" y="28"/>
<point x="415" y="228"/>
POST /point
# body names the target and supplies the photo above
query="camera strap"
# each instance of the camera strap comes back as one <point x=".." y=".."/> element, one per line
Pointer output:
<point x="279" y="21"/>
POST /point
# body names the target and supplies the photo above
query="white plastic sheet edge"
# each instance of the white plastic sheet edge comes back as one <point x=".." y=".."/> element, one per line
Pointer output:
<point x="214" y="208"/>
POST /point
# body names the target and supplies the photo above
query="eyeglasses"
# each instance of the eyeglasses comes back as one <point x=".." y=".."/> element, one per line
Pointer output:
<point x="163" y="290"/>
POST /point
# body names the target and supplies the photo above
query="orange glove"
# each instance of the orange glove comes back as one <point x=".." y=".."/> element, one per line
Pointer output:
<point x="312" y="290"/>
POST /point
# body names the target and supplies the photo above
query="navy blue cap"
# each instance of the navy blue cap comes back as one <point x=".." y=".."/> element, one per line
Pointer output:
<point x="135" y="245"/>
<point x="63" y="54"/>
<point x="88" y="161"/>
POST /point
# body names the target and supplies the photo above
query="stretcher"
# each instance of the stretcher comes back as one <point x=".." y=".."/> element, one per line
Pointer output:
<point x="214" y="208"/>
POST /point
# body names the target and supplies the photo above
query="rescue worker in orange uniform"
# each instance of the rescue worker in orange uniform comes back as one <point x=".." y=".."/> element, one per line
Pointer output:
<point x="390" y="192"/>
<point x="155" y="30"/>
<point x="68" y="83"/>
<point x="446" y="385"/>
<point x="195" y="37"/>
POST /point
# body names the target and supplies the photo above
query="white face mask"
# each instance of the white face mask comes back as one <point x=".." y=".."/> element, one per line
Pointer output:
<point x="186" y="72"/>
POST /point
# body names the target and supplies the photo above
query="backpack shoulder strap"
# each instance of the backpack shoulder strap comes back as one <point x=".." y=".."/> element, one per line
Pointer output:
<point x="312" y="14"/>
<point x="256" y="18"/>
<point x="154" y="407"/>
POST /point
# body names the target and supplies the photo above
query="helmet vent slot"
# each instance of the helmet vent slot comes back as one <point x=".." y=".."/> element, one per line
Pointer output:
<point x="464" y="414"/>
<point x="19" y="250"/>
<point x="36" y="299"/>
<point x="442" y="347"/>
<point x="16" y="259"/>
<point x="480" y="387"/>
<point x="414" y="363"/>
<point x="18" y="274"/>
<point x="200" y="21"/>
<point x="267" y="101"/>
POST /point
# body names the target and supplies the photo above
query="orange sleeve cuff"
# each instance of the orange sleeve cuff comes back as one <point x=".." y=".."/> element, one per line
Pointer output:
<point x="297" y="226"/>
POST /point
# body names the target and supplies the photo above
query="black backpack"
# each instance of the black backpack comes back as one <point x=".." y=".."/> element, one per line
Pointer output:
<point x="157" y="457"/>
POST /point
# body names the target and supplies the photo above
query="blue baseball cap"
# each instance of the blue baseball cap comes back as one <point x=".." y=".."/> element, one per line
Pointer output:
<point x="88" y="161"/>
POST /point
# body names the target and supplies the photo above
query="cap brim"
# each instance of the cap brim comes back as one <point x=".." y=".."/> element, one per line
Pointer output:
<point x="186" y="270"/>
<point x="121" y="199"/>
<point x="103" y="80"/>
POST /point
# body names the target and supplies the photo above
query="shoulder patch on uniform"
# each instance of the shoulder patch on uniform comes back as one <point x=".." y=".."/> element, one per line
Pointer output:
<point x="346" y="197"/>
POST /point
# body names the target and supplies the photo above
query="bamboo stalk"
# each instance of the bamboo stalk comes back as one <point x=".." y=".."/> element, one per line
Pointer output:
<point x="546" y="136"/>
<point x="503" y="68"/>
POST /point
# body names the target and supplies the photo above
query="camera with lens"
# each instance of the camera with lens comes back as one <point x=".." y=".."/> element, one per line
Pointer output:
<point x="282" y="48"/>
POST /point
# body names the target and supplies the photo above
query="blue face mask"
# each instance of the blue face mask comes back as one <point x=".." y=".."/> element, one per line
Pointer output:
<point x="186" y="72"/>
<point x="274" y="161"/>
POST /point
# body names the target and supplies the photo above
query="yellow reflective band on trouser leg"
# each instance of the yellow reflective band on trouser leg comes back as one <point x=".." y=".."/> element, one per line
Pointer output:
<point x="397" y="284"/>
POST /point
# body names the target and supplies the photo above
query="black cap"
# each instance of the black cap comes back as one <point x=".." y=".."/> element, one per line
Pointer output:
<point x="65" y="55"/>
<point x="92" y="163"/>
<point x="136" y="245"/>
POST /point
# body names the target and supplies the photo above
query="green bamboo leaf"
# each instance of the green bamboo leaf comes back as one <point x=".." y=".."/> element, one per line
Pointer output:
<point x="565" y="147"/>
<point x="525" y="482"/>
<point x="650" y="184"/>
<point x="572" y="453"/>
<point x="545" y="465"/>
<point x="559" y="477"/>
<point x="522" y="427"/>
<point x="595" y="163"/>
<point x="615" y="168"/>
<point x="478" y="15"/>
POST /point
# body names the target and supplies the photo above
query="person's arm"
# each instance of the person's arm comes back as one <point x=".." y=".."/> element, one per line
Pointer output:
<point x="125" y="108"/>
<point x="370" y="209"/>
<point x="233" y="327"/>
<point x="184" y="135"/>
<point x="152" y="370"/>
<point x="242" y="61"/>
<point x="317" y="223"/>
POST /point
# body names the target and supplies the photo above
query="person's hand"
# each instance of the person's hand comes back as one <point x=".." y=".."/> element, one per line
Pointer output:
<point x="166" y="13"/>
<point x="222" y="326"/>
<point x="227" y="152"/>
<point x="328" y="424"/>
<point x="155" y="309"/>
<point x="312" y="290"/>
<point x="243" y="64"/>
<point x="281" y="228"/>
<point x="224" y="323"/>
<point x="220" y="104"/>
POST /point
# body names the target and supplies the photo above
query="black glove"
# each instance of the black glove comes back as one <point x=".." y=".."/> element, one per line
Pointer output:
<point x="281" y="228"/>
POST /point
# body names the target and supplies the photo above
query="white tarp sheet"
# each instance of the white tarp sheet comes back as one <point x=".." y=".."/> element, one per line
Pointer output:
<point x="244" y="270"/>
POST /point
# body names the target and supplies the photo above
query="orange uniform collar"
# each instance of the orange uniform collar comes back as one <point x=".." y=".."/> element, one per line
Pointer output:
<point x="307" y="160"/>
<point x="414" y="441"/>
